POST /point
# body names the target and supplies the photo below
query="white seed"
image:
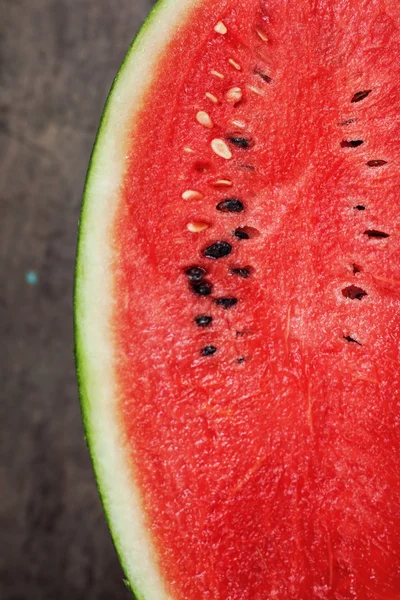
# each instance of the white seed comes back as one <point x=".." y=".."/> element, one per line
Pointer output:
<point x="262" y="35"/>
<point x="234" y="64"/>
<point x="256" y="90"/>
<point x="239" y="123"/>
<point x="221" y="148"/>
<point x="197" y="226"/>
<point x="223" y="183"/>
<point x="217" y="74"/>
<point x="188" y="150"/>
<point x="211" y="97"/>
<point x="221" y="28"/>
<point x="192" y="195"/>
<point x="204" y="119"/>
<point x="234" y="95"/>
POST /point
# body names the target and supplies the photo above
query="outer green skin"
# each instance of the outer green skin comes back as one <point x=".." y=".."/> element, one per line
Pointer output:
<point x="80" y="367"/>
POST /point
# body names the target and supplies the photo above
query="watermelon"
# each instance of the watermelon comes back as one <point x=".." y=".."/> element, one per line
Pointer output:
<point x="237" y="302"/>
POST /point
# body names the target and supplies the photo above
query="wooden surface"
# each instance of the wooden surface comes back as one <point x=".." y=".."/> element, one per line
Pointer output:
<point x="57" y="61"/>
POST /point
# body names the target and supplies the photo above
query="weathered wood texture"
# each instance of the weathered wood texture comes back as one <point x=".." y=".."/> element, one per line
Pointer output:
<point x="57" y="62"/>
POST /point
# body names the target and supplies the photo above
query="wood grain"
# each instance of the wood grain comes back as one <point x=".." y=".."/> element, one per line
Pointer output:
<point x="57" y="62"/>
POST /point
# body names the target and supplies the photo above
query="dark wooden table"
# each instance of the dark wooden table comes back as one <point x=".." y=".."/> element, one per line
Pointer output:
<point x="57" y="62"/>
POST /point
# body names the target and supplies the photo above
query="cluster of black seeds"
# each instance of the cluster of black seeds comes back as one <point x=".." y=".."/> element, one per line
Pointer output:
<point x="197" y="275"/>
<point x="354" y="292"/>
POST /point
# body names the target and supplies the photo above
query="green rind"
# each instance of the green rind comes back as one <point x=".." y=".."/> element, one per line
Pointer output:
<point x="78" y="348"/>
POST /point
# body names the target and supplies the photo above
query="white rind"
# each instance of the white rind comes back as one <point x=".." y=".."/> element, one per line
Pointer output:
<point x="93" y="301"/>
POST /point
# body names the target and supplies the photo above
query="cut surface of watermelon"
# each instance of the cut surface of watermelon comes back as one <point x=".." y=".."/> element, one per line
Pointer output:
<point x="237" y="302"/>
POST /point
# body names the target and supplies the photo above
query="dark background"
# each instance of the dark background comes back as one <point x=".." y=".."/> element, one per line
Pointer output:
<point x="57" y="62"/>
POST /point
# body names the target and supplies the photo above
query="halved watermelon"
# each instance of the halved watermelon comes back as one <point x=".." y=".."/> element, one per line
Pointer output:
<point x="237" y="302"/>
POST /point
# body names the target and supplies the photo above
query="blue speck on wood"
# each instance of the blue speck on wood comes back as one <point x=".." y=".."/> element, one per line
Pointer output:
<point x="31" y="278"/>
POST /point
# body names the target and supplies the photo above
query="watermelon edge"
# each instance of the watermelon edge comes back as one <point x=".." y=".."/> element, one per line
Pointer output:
<point x="143" y="588"/>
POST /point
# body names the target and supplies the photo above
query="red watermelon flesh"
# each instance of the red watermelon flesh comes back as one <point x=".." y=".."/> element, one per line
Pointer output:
<point x="266" y="441"/>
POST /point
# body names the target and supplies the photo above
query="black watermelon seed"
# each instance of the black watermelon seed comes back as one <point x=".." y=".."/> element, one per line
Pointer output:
<point x="217" y="250"/>
<point x="241" y="271"/>
<point x="376" y="163"/>
<point x="354" y="292"/>
<point x="204" y="288"/>
<point x="373" y="233"/>
<point x="195" y="274"/>
<point x="360" y="95"/>
<point x="203" y="320"/>
<point x="263" y="76"/>
<point x="351" y="143"/>
<point x="241" y="234"/>
<point x="347" y="122"/>
<point x="226" y="302"/>
<point x="231" y="205"/>
<point x="208" y="350"/>
<point x="240" y="142"/>
<point x="240" y="360"/>
<point x="246" y="233"/>
<point x="359" y="207"/>
<point x="348" y="338"/>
